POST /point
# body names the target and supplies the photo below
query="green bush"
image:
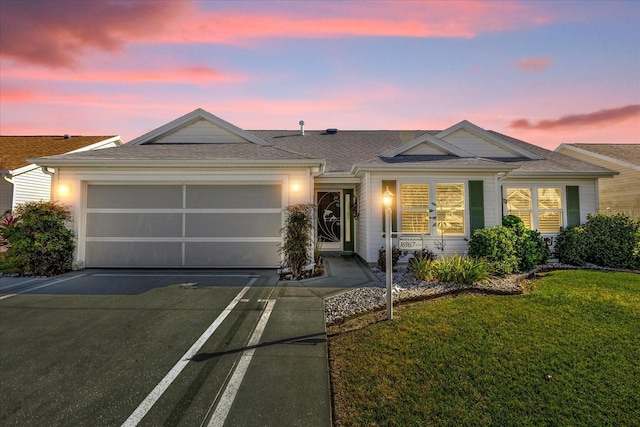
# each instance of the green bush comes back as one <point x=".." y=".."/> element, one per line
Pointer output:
<point x="382" y="258"/>
<point x="530" y="247"/>
<point x="297" y="244"/>
<point x="422" y="268"/>
<point x="496" y="246"/>
<point x="455" y="269"/>
<point x="571" y="246"/>
<point x="39" y="241"/>
<point x="607" y="239"/>
<point x="424" y="254"/>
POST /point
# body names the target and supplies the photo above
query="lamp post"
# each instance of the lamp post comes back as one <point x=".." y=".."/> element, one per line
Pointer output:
<point x="387" y="199"/>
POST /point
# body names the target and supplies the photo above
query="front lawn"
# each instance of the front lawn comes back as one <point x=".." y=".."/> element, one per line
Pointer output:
<point x="567" y="353"/>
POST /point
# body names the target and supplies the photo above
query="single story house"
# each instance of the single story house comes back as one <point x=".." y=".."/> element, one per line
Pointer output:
<point x="201" y="192"/>
<point x="23" y="181"/>
<point x="620" y="194"/>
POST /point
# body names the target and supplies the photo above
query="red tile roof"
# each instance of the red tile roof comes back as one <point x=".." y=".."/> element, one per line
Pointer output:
<point x="15" y="149"/>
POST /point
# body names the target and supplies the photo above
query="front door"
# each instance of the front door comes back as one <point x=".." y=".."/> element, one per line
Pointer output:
<point x="329" y="222"/>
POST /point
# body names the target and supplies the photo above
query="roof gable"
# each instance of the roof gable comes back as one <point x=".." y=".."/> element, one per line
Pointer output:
<point x="480" y="143"/>
<point x="198" y="127"/>
<point x="427" y="144"/>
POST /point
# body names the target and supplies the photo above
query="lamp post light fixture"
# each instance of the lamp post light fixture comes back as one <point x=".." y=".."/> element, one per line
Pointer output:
<point x="387" y="199"/>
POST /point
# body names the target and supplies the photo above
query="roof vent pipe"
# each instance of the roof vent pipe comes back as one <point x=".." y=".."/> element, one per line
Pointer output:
<point x="67" y="136"/>
<point x="301" y="123"/>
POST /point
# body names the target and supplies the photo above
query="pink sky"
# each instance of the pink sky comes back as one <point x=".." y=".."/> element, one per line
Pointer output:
<point x="544" y="72"/>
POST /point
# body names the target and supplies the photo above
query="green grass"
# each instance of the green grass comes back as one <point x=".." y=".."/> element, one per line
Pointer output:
<point x="568" y="353"/>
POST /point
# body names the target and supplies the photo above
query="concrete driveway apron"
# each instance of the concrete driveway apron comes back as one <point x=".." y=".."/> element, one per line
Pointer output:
<point x="264" y="364"/>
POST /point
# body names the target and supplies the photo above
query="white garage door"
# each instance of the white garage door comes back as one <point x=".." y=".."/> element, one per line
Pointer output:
<point x="183" y="225"/>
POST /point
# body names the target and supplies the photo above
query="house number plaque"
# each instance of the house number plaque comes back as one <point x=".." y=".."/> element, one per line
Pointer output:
<point x="410" y="243"/>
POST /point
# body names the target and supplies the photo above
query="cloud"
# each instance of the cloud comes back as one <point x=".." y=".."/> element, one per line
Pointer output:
<point x="602" y="117"/>
<point x="57" y="33"/>
<point x="54" y="33"/>
<point x="196" y="74"/>
<point x="532" y="65"/>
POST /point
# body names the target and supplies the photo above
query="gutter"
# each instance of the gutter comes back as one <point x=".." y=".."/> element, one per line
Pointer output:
<point x="539" y="175"/>
<point x="177" y="163"/>
<point x="7" y="176"/>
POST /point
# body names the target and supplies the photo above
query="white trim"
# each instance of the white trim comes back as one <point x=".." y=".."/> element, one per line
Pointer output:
<point x="192" y="117"/>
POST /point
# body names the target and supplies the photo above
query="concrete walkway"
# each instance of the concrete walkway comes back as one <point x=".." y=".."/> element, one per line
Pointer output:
<point x="301" y="368"/>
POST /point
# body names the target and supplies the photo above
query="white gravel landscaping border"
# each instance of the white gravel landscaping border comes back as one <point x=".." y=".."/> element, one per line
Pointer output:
<point x="355" y="302"/>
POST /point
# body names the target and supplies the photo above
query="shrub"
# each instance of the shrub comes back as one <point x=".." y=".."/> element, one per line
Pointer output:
<point x="382" y="258"/>
<point x="424" y="254"/>
<point x="39" y="241"/>
<point x="612" y="240"/>
<point x="6" y="220"/>
<point x="456" y="269"/>
<point x="607" y="239"/>
<point x="297" y="243"/>
<point x="422" y="268"/>
<point x="496" y="246"/>
<point x="530" y="247"/>
<point x="571" y="246"/>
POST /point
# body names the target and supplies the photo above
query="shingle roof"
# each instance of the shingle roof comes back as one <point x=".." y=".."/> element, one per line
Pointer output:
<point x="553" y="162"/>
<point x="629" y="153"/>
<point x="177" y="152"/>
<point x="14" y="150"/>
<point x="341" y="151"/>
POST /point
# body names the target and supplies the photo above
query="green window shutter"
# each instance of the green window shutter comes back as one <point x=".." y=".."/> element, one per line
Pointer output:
<point x="391" y="184"/>
<point x="476" y="206"/>
<point x="573" y="205"/>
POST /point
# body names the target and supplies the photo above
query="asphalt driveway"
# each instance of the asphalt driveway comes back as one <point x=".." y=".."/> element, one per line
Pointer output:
<point x="118" y="347"/>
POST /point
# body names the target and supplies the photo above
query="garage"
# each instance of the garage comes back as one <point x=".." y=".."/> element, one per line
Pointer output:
<point x="186" y="225"/>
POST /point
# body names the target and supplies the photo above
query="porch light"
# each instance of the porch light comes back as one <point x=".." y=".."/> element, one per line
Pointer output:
<point x="64" y="190"/>
<point x="295" y="187"/>
<point x="387" y="199"/>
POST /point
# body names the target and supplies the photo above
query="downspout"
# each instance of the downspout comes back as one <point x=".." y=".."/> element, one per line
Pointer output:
<point x="54" y="185"/>
<point x="7" y="176"/>
<point x="498" y="183"/>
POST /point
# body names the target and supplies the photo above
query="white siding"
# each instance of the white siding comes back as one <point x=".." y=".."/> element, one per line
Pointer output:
<point x="361" y="221"/>
<point x="454" y="244"/>
<point x="201" y="131"/>
<point x="476" y="146"/>
<point x="424" y="149"/>
<point x="32" y="186"/>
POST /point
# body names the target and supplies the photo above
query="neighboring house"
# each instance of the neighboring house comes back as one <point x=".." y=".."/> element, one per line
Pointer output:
<point x="201" y="192"/>
<point x="23" y="181"/>
<point x="622" y="193"/>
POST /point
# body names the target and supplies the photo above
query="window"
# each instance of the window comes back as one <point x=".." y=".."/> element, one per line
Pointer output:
<point x="419" y="208"/>
<point x="539" y="208"/>
<point x="415" y="208"/>
<point x="450" y="209"/>
<point x="519" y="204"/>
<point x="549" y="210"/>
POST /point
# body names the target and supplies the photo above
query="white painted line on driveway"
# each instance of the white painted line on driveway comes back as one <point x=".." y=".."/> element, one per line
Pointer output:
<point x="15" y="285"/>
<point x="224" y="404"/>
<point x="163" y="385"/>
<point x="55" y="282"/>
<point x="7" y="296"/>
<point x="168" y="275"/>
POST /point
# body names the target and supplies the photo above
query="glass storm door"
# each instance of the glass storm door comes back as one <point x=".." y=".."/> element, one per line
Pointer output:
<point x="329" y="225"/>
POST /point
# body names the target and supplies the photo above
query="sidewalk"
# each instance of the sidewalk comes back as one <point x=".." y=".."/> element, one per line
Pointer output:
<point x="290" y="381"/>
